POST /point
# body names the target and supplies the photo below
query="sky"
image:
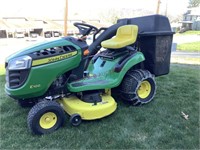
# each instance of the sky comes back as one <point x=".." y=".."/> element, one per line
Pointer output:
<point x="55" y="8"/>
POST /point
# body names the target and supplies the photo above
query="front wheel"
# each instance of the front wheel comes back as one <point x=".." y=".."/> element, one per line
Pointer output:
<point x="138" y="86"/>
<point x="45" y="117"/>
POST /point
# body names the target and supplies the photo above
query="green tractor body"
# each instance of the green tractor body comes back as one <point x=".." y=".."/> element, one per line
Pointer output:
<point x="44" y="67"/>
<point x="67" y="75"/>
<point x="44" y="70"/>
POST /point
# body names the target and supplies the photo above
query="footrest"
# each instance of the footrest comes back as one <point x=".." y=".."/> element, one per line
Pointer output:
<point x="79" y="84"/>
<point x="91" y="83"/>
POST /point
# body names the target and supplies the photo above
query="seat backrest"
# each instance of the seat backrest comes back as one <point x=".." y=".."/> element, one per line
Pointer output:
<point x="107" y="34"/>
<point x="126" y="35"/>
<point x="128" y="31"/>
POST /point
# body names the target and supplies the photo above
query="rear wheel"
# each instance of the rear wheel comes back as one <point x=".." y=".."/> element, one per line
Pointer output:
<point x="45" y="117"/>
<point x="138" y="87"/>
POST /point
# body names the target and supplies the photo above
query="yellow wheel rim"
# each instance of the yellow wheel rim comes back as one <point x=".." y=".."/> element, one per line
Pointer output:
<point x="48" y="120"/>
<point x="144" y="89"/>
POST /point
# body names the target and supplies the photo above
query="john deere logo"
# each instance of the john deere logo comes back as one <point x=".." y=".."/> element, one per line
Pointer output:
<point x="60" y="57"/>
<point x="53" y="59"/>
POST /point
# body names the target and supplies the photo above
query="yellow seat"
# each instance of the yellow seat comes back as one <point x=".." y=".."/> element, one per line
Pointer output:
<point x="126" y="35"/>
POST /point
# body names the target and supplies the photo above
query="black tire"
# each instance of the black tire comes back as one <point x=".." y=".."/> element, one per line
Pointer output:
<point x="75" y="120"/>
<point x="45" y="117"/>
<point x="138" y="87"/>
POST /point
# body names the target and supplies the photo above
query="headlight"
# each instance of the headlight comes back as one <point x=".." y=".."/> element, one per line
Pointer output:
<point x="19" y="63"/>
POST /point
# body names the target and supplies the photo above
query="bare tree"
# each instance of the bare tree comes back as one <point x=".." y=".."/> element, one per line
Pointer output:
<point x="175" y="18"/>
<point x="113" y="15"/>
<point x="194" y="3"/>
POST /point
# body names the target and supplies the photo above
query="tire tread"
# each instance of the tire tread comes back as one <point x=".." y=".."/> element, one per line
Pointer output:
<point x="38" y="107"/>
<point x="131" y="83"/>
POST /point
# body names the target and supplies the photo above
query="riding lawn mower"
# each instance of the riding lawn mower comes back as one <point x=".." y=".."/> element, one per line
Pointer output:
<point x="67" y="75"/>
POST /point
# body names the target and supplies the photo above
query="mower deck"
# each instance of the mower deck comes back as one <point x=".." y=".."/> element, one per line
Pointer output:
<point x="89" y="111"/>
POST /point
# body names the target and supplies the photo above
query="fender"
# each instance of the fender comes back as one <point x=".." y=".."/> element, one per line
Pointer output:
<point x="107" y="74"/>
<point x="126" y="65"/>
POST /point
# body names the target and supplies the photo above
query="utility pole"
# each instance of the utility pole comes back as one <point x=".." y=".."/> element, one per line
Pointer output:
<point x="166" y="9"/>
<point x="65" y="17"/>
<point x="158" y="7"/>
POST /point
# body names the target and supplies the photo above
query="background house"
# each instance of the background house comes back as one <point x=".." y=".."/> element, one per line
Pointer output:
<point x="191" y="19"/>
<point x="20" y="27"/>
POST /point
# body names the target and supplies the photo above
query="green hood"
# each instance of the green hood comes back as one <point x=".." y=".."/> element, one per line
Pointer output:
<point x="40" y="46"/>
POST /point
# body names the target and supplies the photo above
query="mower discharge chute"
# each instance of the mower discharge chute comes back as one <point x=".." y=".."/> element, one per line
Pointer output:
<point x="67" y="75"/>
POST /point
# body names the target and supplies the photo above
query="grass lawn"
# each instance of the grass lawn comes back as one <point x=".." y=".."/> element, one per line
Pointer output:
<point x="185" y="60"/>
<point x="194" y="46"/>
<point x="158" y="125"/>
<point x="190" y="32"/>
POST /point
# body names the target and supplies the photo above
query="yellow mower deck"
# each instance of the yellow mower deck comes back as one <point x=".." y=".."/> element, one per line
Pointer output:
<point x="89" y="111"/>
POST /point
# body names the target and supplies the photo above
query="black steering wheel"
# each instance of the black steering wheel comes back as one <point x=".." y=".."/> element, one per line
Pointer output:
<point x="85" y="29"/>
